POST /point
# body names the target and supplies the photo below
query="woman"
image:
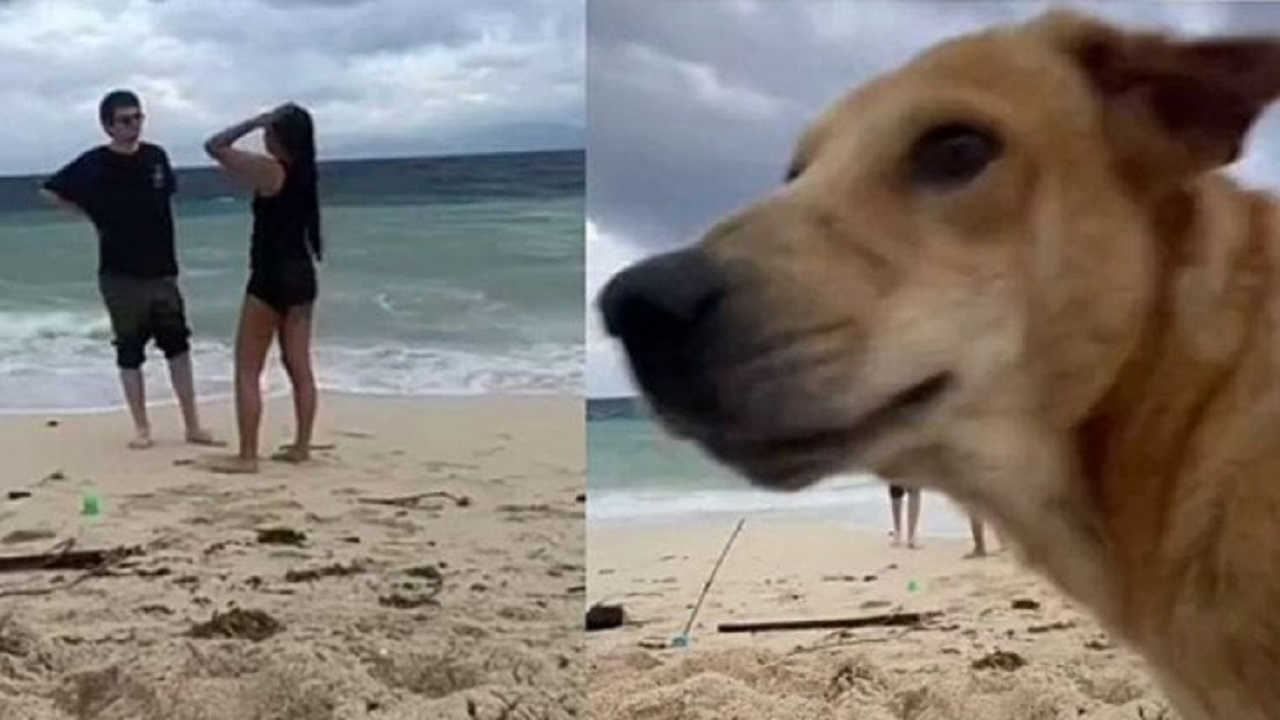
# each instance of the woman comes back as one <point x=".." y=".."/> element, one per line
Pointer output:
<point x="896" y="492"/>
<point x="281" y="291"/>
<point x="976" y="527"/>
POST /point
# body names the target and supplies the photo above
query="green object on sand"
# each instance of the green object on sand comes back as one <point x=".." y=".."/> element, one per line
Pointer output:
<point x="91" y="505"/>
<point x="912" y="586"/>
<point x="680" y="641"/>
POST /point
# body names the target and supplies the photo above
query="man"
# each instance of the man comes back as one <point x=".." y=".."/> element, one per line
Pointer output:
<point x="124" y="188"/>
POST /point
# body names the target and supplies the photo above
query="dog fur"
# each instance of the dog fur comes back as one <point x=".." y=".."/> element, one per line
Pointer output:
<point x="1102" y="299"/>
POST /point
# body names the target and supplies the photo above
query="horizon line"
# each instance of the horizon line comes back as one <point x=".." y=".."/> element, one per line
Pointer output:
<point x="363" y="158"/>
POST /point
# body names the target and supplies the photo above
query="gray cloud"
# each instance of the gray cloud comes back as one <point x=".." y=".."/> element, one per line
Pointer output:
<point x="694" y="106"/>
<point x="382" y="76"/>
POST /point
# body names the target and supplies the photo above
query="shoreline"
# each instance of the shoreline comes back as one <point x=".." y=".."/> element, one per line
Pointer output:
<point x="863" y="508"/>
<point x="807" y="517"/>
<point x="222" y="399"/>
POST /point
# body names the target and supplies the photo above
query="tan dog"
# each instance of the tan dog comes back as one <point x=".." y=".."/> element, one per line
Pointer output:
<point x="1011" y="271"/>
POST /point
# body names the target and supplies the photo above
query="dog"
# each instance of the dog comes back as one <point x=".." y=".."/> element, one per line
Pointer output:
<point x="1015" y="271"/>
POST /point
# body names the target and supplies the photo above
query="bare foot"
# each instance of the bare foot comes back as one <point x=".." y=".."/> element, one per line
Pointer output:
<point x="200" y="436"/>
<point x="896" y="542"/>
<point x="913" y="545"/>
<point x="975" y="554"/>
<point x="230" y="465"/>
<point x="292" y="454"/>
<point x="141" y="441"/>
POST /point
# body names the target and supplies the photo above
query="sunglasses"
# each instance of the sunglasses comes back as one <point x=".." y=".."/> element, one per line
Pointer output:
<point x="129" y="119"/>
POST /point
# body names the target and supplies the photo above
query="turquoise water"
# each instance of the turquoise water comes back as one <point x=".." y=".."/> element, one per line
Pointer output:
<point x="638" y="474"/>
<point x="455" y="286"/>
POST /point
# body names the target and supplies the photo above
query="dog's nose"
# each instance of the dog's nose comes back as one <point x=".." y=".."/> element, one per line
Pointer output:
<point x="661" y="300"/>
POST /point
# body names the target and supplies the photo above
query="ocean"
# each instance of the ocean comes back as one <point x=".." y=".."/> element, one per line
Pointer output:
<point x="442" y="276"/>
<point x="636" y="473"/>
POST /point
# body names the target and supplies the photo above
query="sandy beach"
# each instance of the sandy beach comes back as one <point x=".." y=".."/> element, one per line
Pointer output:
<point x="1004" y="645"/>
<point x="466" y="605"/>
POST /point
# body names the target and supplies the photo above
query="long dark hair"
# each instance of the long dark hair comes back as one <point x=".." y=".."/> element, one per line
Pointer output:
<point x="295" y="131"/>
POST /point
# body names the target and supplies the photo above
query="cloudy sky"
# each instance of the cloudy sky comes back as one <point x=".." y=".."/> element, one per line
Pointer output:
<point x="694" y="106"/>
<point x="383" y="77"/>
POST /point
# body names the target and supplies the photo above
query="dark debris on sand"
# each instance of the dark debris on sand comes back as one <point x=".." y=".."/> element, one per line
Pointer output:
<point x="24" y="536"/>
<point x="281" y="536"/>
<point x="412" y="600"/>
<point x="236" y="623"/>
<point x="409" y="601"/>
<point x="425" y="572"/>
<point x="334" y="570"/>
<point x="1000" y="660"/>
<point x="605" y="617"/>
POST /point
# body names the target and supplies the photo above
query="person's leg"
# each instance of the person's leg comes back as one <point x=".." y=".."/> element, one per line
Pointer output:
<point x="913" y="516"/>
<point x="895" y="502"/>
<point x="295" y="351"/>
<point x="258" y="324"/>
<point x="173" y="335"/>
<point x="135" y="395"/>
<point x="128" y="311"/>
<point x="182" y="378"/>
<point x="979" y="542"/>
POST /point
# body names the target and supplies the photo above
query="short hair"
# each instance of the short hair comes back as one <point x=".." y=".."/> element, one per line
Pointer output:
<point x="113" y="101"/>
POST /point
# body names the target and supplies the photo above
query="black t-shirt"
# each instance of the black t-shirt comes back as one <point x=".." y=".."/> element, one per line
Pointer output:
<point x="127" y="197"/>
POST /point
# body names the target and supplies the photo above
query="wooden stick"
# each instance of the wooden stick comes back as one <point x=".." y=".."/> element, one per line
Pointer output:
<point x="70" y="560"/>
<point x="50" y="589"/>
<point x="894" y="620"/>
<point x="706" y="587"/>
<point x="93" y="563"/>
<point x="412" y="500"/>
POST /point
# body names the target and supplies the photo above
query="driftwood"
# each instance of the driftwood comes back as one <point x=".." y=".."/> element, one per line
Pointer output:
<point x="890" y="620"/>
<point x="92" y="562"/>
<point x="409" y="501"/>
<point x="69" y="560"/>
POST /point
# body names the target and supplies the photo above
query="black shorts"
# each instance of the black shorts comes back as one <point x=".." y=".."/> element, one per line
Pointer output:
<point x="897" y="491"/>
<point x="142" y="310"/>
<point x="284" y="287"/>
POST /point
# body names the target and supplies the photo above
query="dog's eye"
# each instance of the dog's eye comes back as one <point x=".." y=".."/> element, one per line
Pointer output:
<point x="951" y="154"/>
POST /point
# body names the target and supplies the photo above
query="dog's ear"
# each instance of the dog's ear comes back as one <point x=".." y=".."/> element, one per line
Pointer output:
<point x="1173" y="107"/>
